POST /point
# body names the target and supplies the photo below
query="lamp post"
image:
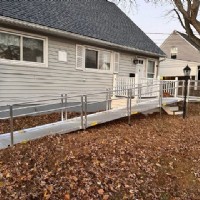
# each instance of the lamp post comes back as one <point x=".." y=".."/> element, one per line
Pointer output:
<point x="186" y="72"/>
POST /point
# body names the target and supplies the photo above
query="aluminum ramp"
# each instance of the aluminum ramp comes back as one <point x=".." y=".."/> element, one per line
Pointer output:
<point x="74" y="124"/>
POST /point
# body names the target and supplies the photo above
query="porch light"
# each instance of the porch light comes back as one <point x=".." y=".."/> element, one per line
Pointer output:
<point x="187" y="71"/>
<point x="135" y="61"/>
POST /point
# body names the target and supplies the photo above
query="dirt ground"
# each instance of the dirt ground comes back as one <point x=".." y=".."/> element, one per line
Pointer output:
<point x="155" y="158"/>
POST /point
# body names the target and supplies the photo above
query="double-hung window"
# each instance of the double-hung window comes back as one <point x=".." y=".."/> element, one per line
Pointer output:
<point x="89" y="58"/>
<point x="174" y="52"/>
<point x="97" y="59"/>
<point x="16" y="47"/>
<point x="151" y="69"/>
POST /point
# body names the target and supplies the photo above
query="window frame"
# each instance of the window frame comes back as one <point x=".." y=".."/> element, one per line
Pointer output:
<point x="174" y="54"/>
<point x="91" y="49"/>
<point x="155" y="73"/>
<point x="98" y="50"/>
<point x="20" y="62"/>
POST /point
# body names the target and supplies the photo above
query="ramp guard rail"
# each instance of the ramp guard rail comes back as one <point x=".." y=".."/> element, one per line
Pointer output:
<point x="158" y="88"/>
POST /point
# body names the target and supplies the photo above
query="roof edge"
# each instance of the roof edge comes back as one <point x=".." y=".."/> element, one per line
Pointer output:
<point x="20" y="23"/>
<point x="179" y="33"/>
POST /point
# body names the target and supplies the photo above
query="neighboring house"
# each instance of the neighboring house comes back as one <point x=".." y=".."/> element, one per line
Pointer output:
<point x="55" y="47"/>
<point x="180" y="51"/>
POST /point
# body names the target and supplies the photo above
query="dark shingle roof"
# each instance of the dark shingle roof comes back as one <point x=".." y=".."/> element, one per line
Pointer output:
<point x="189" y="40"/>
<point x="98" y="19"/>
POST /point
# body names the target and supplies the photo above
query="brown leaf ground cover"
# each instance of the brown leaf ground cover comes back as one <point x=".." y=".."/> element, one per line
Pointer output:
<point x="155" y="158"/>
<point x="32" y="121"/>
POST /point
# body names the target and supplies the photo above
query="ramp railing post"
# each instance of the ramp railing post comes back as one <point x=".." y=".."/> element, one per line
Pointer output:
<point x="107" y="97"/>
<point x="85" y="112"/>
<point x="188" y="94"/>
<point x="62" y="119"/>
<point x="66" y="107"/>
<point x="82" y="111"/>
<point x="11" y="126"/>
<point x="161" y="96"/>
<point x="129" y="106"/>
<point x="139" y="92"/>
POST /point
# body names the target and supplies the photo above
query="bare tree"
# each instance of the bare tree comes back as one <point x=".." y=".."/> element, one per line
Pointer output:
<point x="187" y="12"/>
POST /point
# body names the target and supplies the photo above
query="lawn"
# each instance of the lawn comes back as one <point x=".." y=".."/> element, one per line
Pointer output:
<point x="155" y="158"/>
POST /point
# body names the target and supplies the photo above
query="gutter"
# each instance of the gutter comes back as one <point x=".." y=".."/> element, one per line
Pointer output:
<point x="45" y="29"/>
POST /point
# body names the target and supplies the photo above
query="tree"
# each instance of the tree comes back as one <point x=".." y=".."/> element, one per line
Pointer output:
<point x="187" y="12"/>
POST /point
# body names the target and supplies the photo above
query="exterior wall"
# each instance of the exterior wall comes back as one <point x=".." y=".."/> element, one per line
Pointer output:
<point x="173" y="68"/>
<point x="185" y="50"/>
<point x="27" y="82"/>
<point x="127" y="66"/>
<point x="18" y="81"/>
<point x="24" y="81"/>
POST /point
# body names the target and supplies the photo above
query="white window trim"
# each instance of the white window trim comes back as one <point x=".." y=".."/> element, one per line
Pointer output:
<point x="27" y="35"/>
<point x="155" y="71"/>
<point x="98" y="50"/>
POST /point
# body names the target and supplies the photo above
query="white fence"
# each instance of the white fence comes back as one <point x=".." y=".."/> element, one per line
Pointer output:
<point x="147" y="87"/>
<point x="170" y="87"/>
<point x="150" y="87"/>
<point x="122" y="85"/>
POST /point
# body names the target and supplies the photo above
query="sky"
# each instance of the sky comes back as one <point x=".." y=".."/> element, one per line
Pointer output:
<point x="153" y="18"/>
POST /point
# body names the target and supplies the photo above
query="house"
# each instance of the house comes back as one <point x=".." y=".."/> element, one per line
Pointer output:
<point x="180" y="51"/>
<point x="55" y="47"/>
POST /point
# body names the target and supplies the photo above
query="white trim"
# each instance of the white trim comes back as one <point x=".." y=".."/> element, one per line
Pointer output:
<point x="98" y="50"/>
<point x="26" y="35"/>
<point x="69" y="35"/>
<point x="147" y="64"/>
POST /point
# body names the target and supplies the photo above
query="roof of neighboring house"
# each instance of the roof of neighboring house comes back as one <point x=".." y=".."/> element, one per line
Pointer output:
<point x="97" y="19"/>
<point x="189" y="40"/>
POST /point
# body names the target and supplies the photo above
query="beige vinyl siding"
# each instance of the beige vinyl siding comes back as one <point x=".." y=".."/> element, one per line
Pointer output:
<point x="126" y="65"/>
<point x="185" y="50"/>
<point x="23" y="81"/>
<point x="59" y="77"/>
<point x="171" y="67"/>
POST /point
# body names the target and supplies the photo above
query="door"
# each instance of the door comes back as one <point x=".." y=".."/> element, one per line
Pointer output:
<point x="140" y="69"/>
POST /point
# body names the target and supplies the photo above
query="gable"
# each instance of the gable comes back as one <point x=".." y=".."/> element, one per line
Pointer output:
<point x="185" y="50"/>
<point x="97" y="19"/>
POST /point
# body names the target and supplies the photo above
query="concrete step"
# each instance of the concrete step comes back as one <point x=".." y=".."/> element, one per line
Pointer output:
<point x="178" y="113"/>
<point x="172" y="110"/>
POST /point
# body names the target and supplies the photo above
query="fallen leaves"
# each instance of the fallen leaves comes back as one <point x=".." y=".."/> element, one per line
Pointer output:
<point x="156" y="158"/>
<point x="101" y="191"/>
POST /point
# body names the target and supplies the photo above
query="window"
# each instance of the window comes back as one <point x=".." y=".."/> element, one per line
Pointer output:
<point x="21" y="48"/>
<point x="91" y="59"/>
<point x="33" y="50"/>
<point x="151" y="69"/>
<point x="174" y="52"/>
<point x="104" y="60"/>
<point x="140" y="62"/>
<point x="96" y="59"/>
<point x="9" y="46"/>
<point x="100" y="60"/>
